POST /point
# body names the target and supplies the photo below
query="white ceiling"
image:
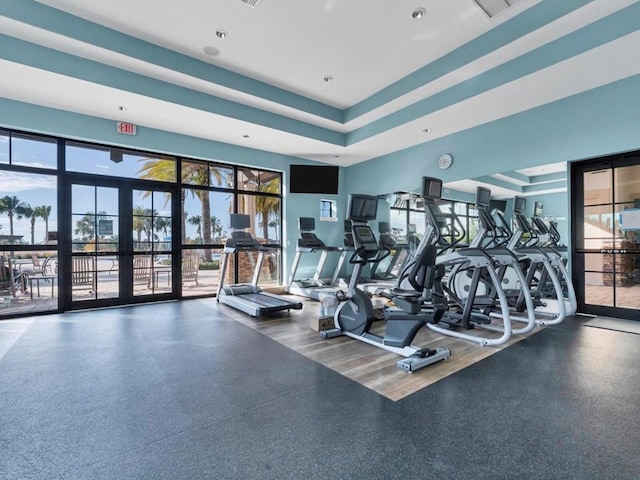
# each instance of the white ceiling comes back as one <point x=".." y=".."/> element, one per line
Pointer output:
<point x="365" y="45"/>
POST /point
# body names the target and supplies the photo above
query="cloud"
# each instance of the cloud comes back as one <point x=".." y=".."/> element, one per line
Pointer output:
<point x="14" y="182"/>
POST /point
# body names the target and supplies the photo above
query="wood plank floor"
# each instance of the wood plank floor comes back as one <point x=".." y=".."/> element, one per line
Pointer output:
<point x="372" y="367"/>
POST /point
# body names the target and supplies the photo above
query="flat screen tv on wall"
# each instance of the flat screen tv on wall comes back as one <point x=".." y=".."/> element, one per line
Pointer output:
<point x="313" y="179"/>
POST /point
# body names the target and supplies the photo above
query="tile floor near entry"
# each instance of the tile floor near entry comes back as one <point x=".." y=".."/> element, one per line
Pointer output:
<point x="181" y="391"/>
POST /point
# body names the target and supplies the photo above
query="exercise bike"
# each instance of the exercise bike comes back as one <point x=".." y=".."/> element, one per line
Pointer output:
<point x="355" y="313"/>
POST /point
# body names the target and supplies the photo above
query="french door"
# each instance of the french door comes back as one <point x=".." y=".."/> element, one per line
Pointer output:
<point x="606" y="240"/>
<point x="122" y="250"/>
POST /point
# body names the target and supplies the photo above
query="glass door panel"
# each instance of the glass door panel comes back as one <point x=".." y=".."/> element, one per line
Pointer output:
<point x="95" y="245"/>
<point x="152" y="261"/>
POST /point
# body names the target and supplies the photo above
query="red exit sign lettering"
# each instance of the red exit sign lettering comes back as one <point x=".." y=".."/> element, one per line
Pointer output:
<point x="126" y="128"/>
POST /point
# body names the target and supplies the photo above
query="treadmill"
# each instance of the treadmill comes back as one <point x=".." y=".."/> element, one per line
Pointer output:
<point x="314" y="288"/>
<point x="248" y="297"/>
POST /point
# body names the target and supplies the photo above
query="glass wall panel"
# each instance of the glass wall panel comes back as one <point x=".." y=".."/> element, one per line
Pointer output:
<point x="417" y="219"/>
<point x="34" y="151"/>
<point x="118" y="163"/>
<point x="265" y="216"/>
<point x="31" y="286"/>
<point x="258" y="181"/>
<point x="200" y="204"/>
<point x="28" y="209"/>
<point x="399" y="225"/>
<point x="201" y="277"/>
<point x="206" y="174"/>
<point x="4" y="147"/>
<point x="269" y="273"/>
<point x="597" y="187"/>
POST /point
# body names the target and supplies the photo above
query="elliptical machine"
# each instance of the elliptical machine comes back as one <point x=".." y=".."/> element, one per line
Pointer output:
<point x="355" y="314"/>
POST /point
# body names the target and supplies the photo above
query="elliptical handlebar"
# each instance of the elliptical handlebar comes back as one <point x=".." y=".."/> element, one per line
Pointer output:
<point x="357" y="259"/>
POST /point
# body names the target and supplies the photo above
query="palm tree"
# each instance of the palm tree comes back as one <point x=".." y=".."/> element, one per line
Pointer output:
<point x="13" y="207"/>
<point x="139" y="222"/>
<point x="268" y="207"/>
<point x="165" y="171"/>
<point x="162" y="224"/>
<point x="193" y="173"/>
<point x="216" y="226"/>
<point x="85" y="227"/>
<point x="197" y="221"/>
<point x="44" y="212"/>
<point x="32" y="214"/>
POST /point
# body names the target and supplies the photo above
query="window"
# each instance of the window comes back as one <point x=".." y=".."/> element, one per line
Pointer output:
<point x="118" y="163"/>
<point x="328" y="209"/>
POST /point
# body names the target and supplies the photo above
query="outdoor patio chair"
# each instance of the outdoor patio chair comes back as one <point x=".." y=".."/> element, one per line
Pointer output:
<point x="11" y="281"/>
<point x="190" y="266"/>
<point x="83" y="273"/>
<point x="142" y="267"/>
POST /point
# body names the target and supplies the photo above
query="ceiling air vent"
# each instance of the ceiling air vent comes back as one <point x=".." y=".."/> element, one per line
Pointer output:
<point x="251" y="3"/>
<point x="494" y="7"/>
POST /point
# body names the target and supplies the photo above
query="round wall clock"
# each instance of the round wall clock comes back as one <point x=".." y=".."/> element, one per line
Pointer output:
<point x="445" y="161"/>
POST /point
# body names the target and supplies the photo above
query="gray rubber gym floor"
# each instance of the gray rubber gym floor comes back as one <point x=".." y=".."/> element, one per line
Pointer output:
<point x="178" y="391"/>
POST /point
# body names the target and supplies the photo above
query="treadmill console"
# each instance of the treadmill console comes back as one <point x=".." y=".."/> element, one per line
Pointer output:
<point x="310" y="240"/>
<point x="242" y="239"/>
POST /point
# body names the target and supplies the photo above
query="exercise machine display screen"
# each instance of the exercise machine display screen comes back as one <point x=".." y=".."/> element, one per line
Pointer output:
<point x="519" y="204"/>
<point x="306" y="224"/>
<point x="431" y="188"/>
<point x="483" y="197"/>
<point x="239" y="221"/>
<point x="362" y="208"/>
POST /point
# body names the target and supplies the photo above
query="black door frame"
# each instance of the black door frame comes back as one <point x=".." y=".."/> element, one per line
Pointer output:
<point x="125" y="253"/>
<point x="577" y="171"/>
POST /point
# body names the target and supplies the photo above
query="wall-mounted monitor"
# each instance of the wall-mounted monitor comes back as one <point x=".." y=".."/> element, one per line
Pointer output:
<point x="500" y="205"/>
<point x="313" y="179"/>
<point x="537" y="209"/>
<point x="362" y="208"/>
<point x="519" y="204"/>
<point x="483" y="197"/>
<point x="306" y="224"/>
<point x="384" y="227"/>
<point x="238" y="221"/>
<point x="431" y="188"/>
<point x="347" y="225"/>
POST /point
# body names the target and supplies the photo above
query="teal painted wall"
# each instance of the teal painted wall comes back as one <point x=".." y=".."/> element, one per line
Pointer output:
<point x="595" y="123"/>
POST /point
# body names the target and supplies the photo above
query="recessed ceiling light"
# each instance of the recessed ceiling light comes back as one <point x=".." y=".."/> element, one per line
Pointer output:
<point x="221" y="34"/>
<point x="211" y="51"/>
<point x="122" y="108"/>
<point x="426" y="130"/>
<point x="328" y="78"/>
<point x="418" y="13"/>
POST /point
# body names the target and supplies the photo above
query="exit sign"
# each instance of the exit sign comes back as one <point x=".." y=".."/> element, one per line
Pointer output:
<point x="126" y="128"/>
